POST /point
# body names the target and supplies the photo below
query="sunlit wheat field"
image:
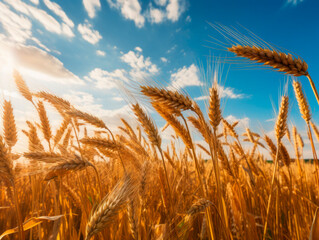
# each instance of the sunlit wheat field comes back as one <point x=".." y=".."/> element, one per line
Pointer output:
<point x="129" y="119"/>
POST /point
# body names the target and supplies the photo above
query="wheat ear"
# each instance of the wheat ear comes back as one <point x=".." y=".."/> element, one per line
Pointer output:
<point x="173" y="100"/>
<point x="109" y="207"/>
<point x="22" y="86"/>
<point x="68" y="165"/>
<point x="214" y="113"/>
<point x="302" y="101"/>
<point x="9" y="125"/>
<point x="148" y="125"/>
<point x="283" y="62"/>
<point x="45" y="123"/>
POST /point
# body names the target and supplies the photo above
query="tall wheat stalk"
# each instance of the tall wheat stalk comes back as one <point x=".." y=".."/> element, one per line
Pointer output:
<point x="280" y="129"/>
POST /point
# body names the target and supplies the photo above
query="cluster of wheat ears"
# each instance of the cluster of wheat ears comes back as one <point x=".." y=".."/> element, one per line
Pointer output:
<point x="83" y="181"/>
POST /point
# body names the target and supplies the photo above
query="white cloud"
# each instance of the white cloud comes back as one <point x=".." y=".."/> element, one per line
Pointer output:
<point x="141" y="67"/>
<point x="243" y="122"/>
<point x="188" y="19"/>
<point x="47" y="21"/>
<point x="165" y="10"/>
<point x="161" y="2"/>
<point x="138" y="49"/>
<point x="107" y="80"/>
<point x="18" y="27"/>
<point x="67" y="30"/>
<point x="91" y="6"/>
<point x="37" y="64"/>
<point x="164" y="60"/>
<point x="156" y="15"/>
<point x="100" y="53"/>
<point x="229" y="92"/>
<point x="89" y="34"/>
<point x="174" y="10"/>
<point x="201" y="98"/>
<point x="118" y="99"/>
<point x="185" y="77"/>
<point x="36" y="2"/>
<point x="130" y="9"/>
<point x="54" y="7"/>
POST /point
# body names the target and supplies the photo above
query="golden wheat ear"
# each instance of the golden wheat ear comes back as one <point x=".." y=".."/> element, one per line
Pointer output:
<point x="280" y="61"/>
<point x="110" y="207"/>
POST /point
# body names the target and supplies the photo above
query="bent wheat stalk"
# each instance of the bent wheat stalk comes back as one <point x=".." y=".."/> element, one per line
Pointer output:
<point x="280" y="130"/>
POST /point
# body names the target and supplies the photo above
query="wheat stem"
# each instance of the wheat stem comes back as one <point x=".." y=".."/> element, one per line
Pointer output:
<point x="271" y="190"/>
<point x="313" y="87"/>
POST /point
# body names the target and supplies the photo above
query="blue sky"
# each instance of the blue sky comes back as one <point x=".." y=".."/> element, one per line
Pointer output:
<point x="78" y="49"/>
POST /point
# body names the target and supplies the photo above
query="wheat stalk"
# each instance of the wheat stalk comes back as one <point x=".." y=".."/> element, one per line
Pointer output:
<point x="280" y="130"/>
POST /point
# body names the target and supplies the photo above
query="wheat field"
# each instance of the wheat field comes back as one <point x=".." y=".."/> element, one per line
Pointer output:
<point x="83" y="180"/>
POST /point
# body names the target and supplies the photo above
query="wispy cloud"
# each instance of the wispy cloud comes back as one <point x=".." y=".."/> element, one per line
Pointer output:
<point x="100" y="53"/>
<point x="47" y="21"/>
<point x="18" y="27"/>
<point x="54" y="7"/>
<point x="91" y="6"/>
<point x="88" y="33"/>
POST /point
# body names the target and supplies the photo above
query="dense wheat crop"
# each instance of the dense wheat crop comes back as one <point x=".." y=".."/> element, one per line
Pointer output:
<point x="83" y="180"/>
